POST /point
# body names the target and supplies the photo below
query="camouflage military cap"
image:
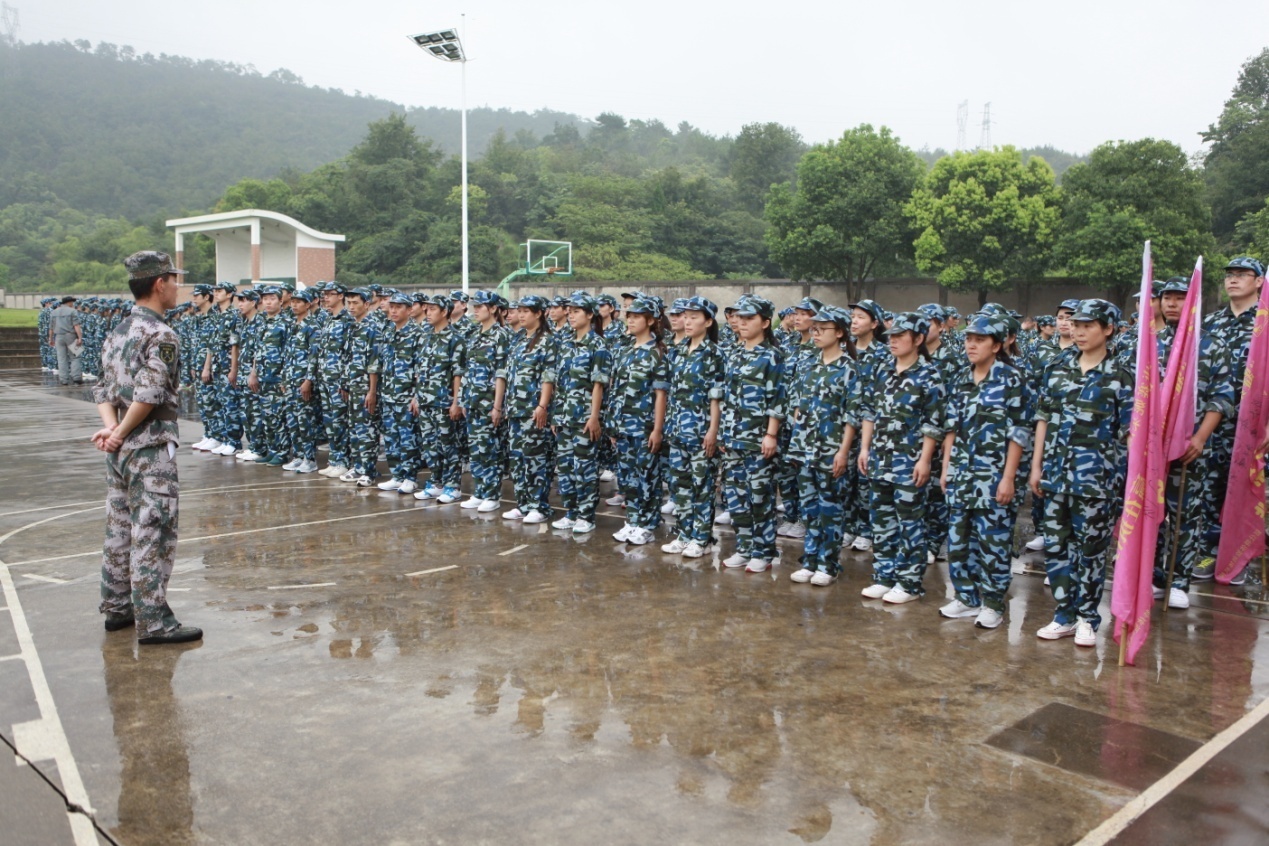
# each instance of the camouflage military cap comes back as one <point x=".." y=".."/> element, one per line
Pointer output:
<point x="364" y="292"/>
<point x="1015" y="314"/>
<point x="809" y="304"/>
<point x="630" y="295"/>
<point x="701" y="304"/>
<point x="483" y="297"/>
<point x="308" y="295"/>
<point x="934" y="311"/>
<point x="583" y="300"/>
<point x="226" y="285"/>
<point x="678" y="306"/>
<point x="1070" y="305"/>
<point x="909" y="321"/>
<point x="375" y="288"/>
<point x="459" y="296"/>
<point x="249" y="294"/>
<point x="534" y="301"/>
<point x="559" y="301"/>
<point x="1176" y="285"/>
<point x="401" y="299"/>
<point x="270" y="290"/>
<point x="644" y="305"/>
<point x="1246" y="263"/>
<point x="422" y="298"/>
<point x="440" y="300"/>
<point x="607" y="299"/>
<point x="750" y="305"/>
<point x="785" y="312"/>
<point x="513" y="304"/>
<point x="1093" y="309"/>
<point x="1116" y="313"/>
<point x="870" y="307"/>
<point x="148" y="263"/>
<point x="833" y="314"/>
<point x="501" y="302"/>
<point x="203" y="289"/>
<point x="1046" y="320"/>
<point x="287" y="286"/>
<point x="952" y="312"/>
<point x="987" y="325"/>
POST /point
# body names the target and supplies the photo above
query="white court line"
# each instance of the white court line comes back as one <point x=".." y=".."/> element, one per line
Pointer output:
<point x="1234" y="598"/>
<point x="10" y="657"/>
<point x="515" y="549"/>
<point x="433" y="570"/>
<point x="178" y="590"/>
<point x="50" y="579"/>
<point x="1152" y="795"/>
<point x="297" y="587"/>
<point x="196" y="492"/>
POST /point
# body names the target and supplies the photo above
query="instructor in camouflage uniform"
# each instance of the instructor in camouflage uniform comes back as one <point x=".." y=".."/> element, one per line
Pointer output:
<point x="137" y="400"/>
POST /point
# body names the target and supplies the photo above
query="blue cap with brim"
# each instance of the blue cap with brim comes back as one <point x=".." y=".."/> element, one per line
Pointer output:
<point x="751" y="306"/>
<point x="909" y="321"/>
<point x="701" y="304"/>
<point x="871" y="307"/>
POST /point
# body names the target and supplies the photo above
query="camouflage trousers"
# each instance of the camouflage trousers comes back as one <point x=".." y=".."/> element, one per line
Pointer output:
<point x="253" y="422"/>
<point x="898" y="533"/>
<point x="487" y="445"/>
<point x="532" y="458"/>
<point x="749" y="490"/>
<point x="335" y="423"/>
<point x="639" y="480"/>
<point x="979" y="544"/>
<point x="1077" y="531"/>
<point x="438" y="446"/>
<point x="142" y="493"/>
<point x="693" y="480"/>
<point x="823" y="512"/>
<point x="787" y="478"/>
<point x="303" y="422"/>
<point x="363" y="436"/>
<point x="936" y="511"/>
<point x="1218" y="457"/>
<point x="400" y="440"/>
<point x="858" y="517"/>
<point x="271" y="408"/>
<point x="205" y="394"/>
<point x="1193" y="513"/>
<point x="228" y="410"/>
<point x="577" y="472"/>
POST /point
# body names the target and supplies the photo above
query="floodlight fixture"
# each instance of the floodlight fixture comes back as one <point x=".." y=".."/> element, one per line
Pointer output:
<point x="444" y="44"/>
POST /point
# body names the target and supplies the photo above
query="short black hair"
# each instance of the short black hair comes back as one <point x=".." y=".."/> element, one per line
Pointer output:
<point x="142" y="288"/>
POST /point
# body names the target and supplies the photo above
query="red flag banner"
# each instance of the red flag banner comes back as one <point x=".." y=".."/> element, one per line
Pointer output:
<point x="1180" y="383"/>
<point x="1132" y="594"/>
<point x="1243" y="517"/>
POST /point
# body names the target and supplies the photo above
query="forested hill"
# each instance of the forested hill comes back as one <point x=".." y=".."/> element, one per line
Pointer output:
<point x="114" y="132"/>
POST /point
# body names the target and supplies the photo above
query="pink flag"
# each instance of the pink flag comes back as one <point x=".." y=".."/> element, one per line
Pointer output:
<point x="1243" y="517"/>
<point x="1132" y="594"/>
<point x="1180" y="384"/>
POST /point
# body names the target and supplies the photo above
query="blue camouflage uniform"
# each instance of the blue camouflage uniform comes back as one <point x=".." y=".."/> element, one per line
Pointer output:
<point x="269" y="366"/>
<point x="330" y="348"/>
<point x="400" y="354"/>
<point x="441" y="359"/>
<point x="531" y="450"/>
<point x="361" y="362"/>
<point x="486" y="365"/>
<point x="303" y="417"/>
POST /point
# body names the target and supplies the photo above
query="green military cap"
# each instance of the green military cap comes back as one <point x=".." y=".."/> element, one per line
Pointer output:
<point x="1093" y="310"/>
<point x="909" y="321"/>
<point x="988" y="325"/>
<point x="148" y="263"/>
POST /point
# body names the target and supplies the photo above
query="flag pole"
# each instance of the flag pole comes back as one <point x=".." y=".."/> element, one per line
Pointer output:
<point x="1176" y="537"/>
<point x="1123" y="646"/>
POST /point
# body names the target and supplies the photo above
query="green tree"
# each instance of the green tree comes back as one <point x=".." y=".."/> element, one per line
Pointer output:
<point x="1129" y="192"/>
<point x="1236" y="167"/>
<point x="845" y="217"/>
<point x="764" y="154"/>
<point x="985" y="220"/>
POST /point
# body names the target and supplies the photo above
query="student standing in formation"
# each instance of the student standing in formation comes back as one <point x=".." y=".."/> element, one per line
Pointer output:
<point x="398" y="365"/>
<point x="800" y="352"/>
<point x="902" y="426"/>
<point x="1084" y="411"/>
<point x="531" y="445"/>
<point x="583" y="372"/>
<point x="438" y="387"/>
<point x="988" y="431"/>
<point x="265" y="380"/>
<point x="303" y="416"/>
<point x="330" y="345"/>
<point x="249" y="341"/>
<point x="871" y="355"/>
<point x="484" y="386"/>
<point x="361" y="390"/>
<point x="824" y="425"/>
<point x="752" y="414"/>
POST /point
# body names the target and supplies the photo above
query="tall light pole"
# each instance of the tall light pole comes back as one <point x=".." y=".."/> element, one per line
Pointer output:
<point x="446" y="46"/>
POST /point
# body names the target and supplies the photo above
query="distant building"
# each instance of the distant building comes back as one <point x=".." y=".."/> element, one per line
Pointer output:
<point x="256" y="245"/>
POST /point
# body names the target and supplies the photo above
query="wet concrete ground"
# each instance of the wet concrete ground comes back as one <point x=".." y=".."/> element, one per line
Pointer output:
<point x="380" y="670"/>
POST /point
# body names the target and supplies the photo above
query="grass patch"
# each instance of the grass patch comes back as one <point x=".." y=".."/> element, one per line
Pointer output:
<point x="22" y="317"/>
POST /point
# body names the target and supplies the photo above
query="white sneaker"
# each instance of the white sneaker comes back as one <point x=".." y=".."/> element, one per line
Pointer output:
<point x="333" y="471"/>
<point x="390" y="485"/>
<point x="696" y="550"/>
<point x="487" y="505"/>
<point x="780" y="508"/>
<point x="897" y="596"/>
<point x="847" y="539"/>
<point x="796" y="531"/>
<point x="622" y="534"/>
<point x="563" y="523"/>
<point x="667" y="507"/>
<point x="639" y="536"/>
<point x="722" y="518"/>
<point x="929" y="558"/>
<point x="1084" y="634"/>
<point x="617" y="499"/>
<point x="535" y="517"/>
<point x="1036" y="544"/>
<point x="957" y="609"/>
<point x="801" y="575"/>
<point x="449" y="495"/>
<point x="364" y="481"/>
<point x="862" y="544"/>
<point x="1056" y="631"/>
<point x="247" y="455"/>
<point x="307" y="466"/>
<point x="674" y="547"/>
<point x="429" y="492"/>
<point x="407" y="487"/>
<point x="471" y="502"/>
<point x="607" y="476"/>
<point x="757" y="565"/>
<point x="875" y="591"/>
<point x="1178" y="599"/>
<point x="737" y="560"/>
<point x="224" y="449"/>
<point x="200" y="445"/>
<point x="988" y="618"/>
<point x="349" y="476"/>
<point x="783" y="528"/>
<point x="581" y="527"/>
<point x="823" y="578"/>
<point x="513" y="514"/>
<point x="292" y="464"/>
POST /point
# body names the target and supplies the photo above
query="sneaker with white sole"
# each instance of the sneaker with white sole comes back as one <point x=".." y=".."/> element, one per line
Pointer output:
<point x="563" y="523"/>
<point x="956" y="609"/>
<point x="430" y="491"/>
<point x="639" y="536"/>
<point x="513" y="514"/>
<point x="1036" y="544"/>
<point x="622" y="534"/>
<point x="617" y="499"/>
<point x="225" y="449"/>
<point x="797" y="531"/>
<point x="898" y="596"/>
<point x="780" y="508"/>
<point x="1178" y="599"/>
<point x="722" y="518"/>
<point x="607" y="476"/>
<point x="696" y="550"/>
<point x="200" y="444"/>
<point x="535" y="517"/>
<point x="334" y="471"/>
<point x="757" y="565"/>
<point x="737" y="560"/>
<point x="292" y="464"/>
<point x="471" y="502"/>
<point x="988" y="618"/>
<point x="861" y="544"/>
<point x="929" y="558"/>
<point x="365" y="481"/>
<point x="307" y="466"/>
<point x="448" y="495"/>
<point x="674" y="547"/>
<point x="875" y="591"/>
<point x="801" y="575"/>
<point x="1085" y="634"/>
<point x="847" y="539"/>
<point x="667" y="507"/>
<point x="247" y="455"/>
<point x="782" y="528"/>
<point x="390" y="485"/>
<point x="407" y="487"/>
<point x="823" y="578"/>
<point x="1205" y="570"/>
<point x="488" y="505"/>
<point x="582" y="527"/>
<point x="1056" y="631"/>
<point x="349" y="476"/>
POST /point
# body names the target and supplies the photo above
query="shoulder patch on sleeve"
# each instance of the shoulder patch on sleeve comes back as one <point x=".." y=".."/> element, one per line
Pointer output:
<point x="167" y="353"/>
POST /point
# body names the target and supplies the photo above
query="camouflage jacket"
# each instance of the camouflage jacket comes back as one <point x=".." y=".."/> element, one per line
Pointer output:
<point x="249" y="342"/>
<point x="527" y="369"/>
<point x="1234" y="330"/>
<point x="400" y="354"/>
<point x="298" y="360"/>
<point x="869" y="363"/>
<point x="579" y="367"/>
<point x="1214" y="382"/>
<point x="441" y="358"/>
<point x="828" y="401"/>
<point x="639" y="372"/>
<point x="696" y="377"/>
<point x="905" y="409"/>
<point x="985" y="417"/>
<point x="799" y="357"/>
<point x="330" y="347"/>
<point x="754" y="393"/>
<point x="950" y="360"/>
<point x="270" y="356"/>
<point x="361" y="357"/>
<point x="141" y="363"/>
<point x="616" y="335"/>
<point x="1088" y="416"/>
<point x="485" y="363"/>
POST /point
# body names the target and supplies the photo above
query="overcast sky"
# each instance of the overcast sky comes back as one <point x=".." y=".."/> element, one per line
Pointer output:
<point x="1070" y="74"/>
